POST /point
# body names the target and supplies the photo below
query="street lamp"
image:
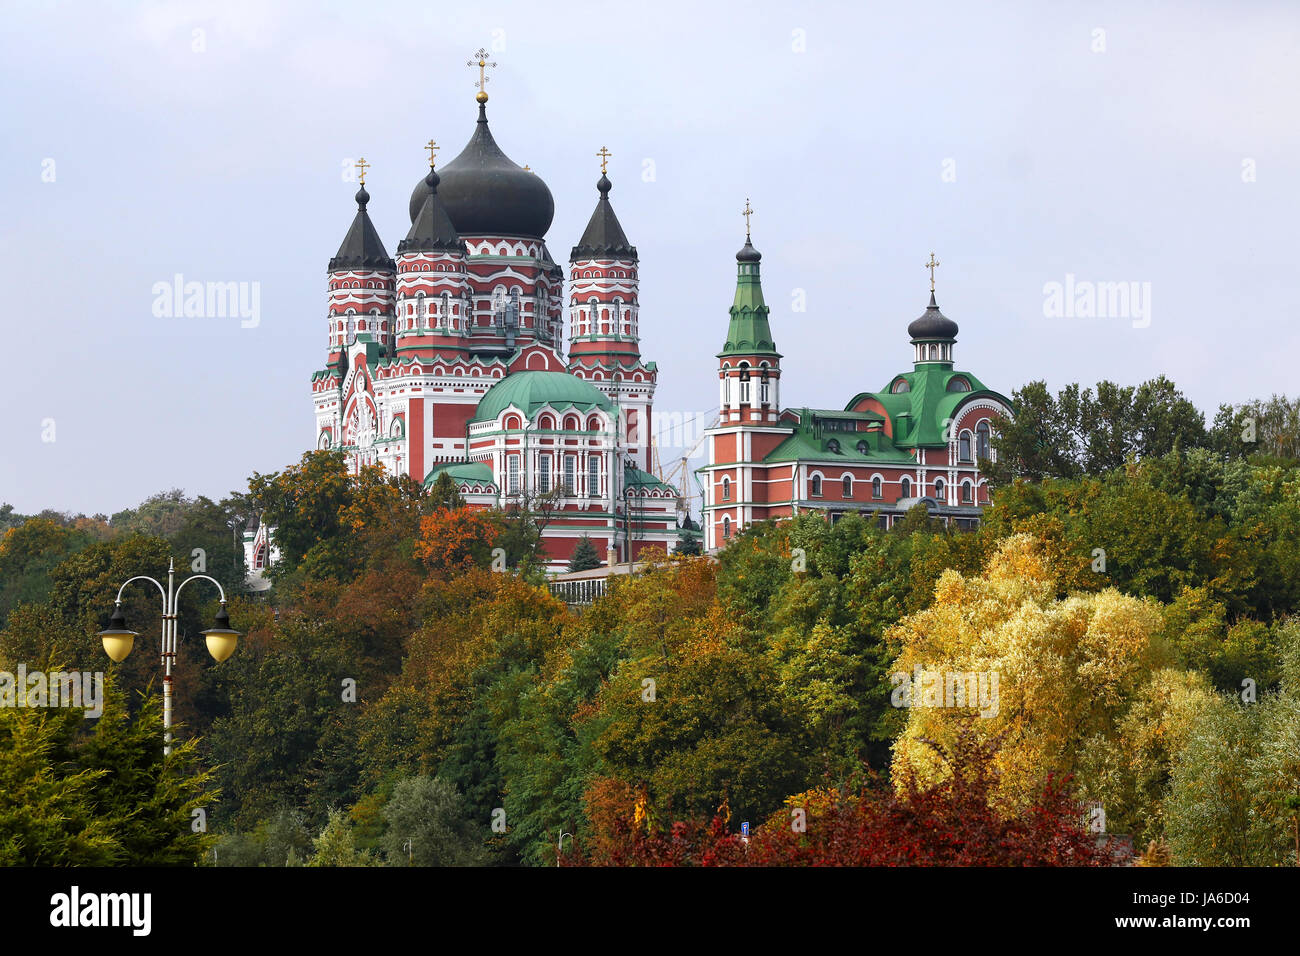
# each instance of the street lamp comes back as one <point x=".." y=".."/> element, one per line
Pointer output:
<point x="118" y="641"/>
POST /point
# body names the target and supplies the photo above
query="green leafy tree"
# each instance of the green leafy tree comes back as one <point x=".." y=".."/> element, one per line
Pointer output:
<point x="336" y="845"/>
<point x="430" y="814"/>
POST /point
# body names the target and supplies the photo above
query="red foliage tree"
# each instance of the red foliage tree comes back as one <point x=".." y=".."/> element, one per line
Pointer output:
<point x="949" y="824"/>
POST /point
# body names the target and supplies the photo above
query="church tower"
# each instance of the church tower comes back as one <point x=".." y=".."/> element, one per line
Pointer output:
<point x="749" y="366"/>
<point x="604" y="314"/>
<point x="360" y="314"/>
<point x="740" y="486"/>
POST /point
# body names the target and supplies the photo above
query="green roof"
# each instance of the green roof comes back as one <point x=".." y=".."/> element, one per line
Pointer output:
<point x="749" y="332"/>
<point x="634" y="477"/>
<point x="462" y="471"/>
<point x="811" y="443"/>
<point x="530" y="391"/>
<point x="920" y="413"/>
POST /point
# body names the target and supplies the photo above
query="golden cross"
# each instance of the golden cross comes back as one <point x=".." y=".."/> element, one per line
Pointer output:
<point x="747" y="213"/>
<point x="432" y="147"/>
<point x="931" y="266"/>
<point x="362" y="166"/>
<point x="481" y="61"/>
<point x="604" y="155"/>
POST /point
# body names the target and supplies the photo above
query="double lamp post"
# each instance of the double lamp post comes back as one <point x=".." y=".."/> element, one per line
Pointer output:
<point x="118" y="641"/>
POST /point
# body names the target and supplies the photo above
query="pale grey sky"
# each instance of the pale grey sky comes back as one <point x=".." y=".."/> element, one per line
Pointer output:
<point x="1131" y="163"/>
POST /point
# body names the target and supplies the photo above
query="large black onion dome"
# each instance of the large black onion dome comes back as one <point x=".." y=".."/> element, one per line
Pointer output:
<point x="486" y="194"/>
<point x="748" y="253"/>
<point x="932" y="324"/>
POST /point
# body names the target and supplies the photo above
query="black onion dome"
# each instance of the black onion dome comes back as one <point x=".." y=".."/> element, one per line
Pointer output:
<point x="932" y="324"/>
<point x="748" y="253"/>
<point x="486" y="194"/>
<point x="432" y="230"/>
<point x="362" y="247"/>
<point x="604" y="236"/>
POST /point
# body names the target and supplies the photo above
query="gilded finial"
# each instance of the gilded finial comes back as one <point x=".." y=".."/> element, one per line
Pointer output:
<point x="604" y="155"/>
<point x="481" y="61"/>
<point x="432" y="147"/>
<point x="747" y="213"/>
<point x="362" y="166"/>
<point x="931" y="265"/>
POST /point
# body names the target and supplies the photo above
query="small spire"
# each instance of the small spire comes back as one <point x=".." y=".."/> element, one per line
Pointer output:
<point x="604" y="155"/>
<point x="932" y="265"/>
<point x="432" y="147"/>
<point x="481" y="61"/>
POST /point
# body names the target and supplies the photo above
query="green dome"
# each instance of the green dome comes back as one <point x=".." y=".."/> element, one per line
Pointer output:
<point x="529" y="391"/>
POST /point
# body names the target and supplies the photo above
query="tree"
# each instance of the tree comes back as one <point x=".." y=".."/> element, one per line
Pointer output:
<point x="336" y="845"/>
<point x="430" y="814"/>
<point x="1082" y="432"/>
<point x="1048" y="674"/>
<point x="688" y="545"/>
<point x="452" y="541"/>
<point x="109" y="797"/>
<point x="584" y="556"/>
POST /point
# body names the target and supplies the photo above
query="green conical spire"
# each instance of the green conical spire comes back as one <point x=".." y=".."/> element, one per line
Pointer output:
<point x="749" y="333"/>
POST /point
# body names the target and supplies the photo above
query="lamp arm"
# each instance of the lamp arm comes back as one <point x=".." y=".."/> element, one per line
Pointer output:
<point x="143" y="577"/>
<point x="193" y="577"/>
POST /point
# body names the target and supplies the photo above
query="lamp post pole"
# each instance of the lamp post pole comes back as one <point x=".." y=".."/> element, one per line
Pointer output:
<point x="118" y="640"/>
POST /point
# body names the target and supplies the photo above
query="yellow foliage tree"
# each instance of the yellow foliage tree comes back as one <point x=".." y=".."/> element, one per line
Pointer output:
<point x="1049" y="677"/>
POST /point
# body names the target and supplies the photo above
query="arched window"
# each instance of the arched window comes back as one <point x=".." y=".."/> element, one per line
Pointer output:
<point x="905" y="487"/>
<point x="816" y="489"/>
<point x="544" y="474"/>
<point x="902" y="385"/>
<point x="396" y="430"/>
<point x="726" y="528"/>
<point x="982" y="440"/>
<point x="958" y="385"/>
<point x="966" y="492"/>
<point x="862" y="447"/>
<point x="726" y="489"/>
<point x="847" y="482"/>
<point x="744" y="383"/>
<point x="877" y="487"/>
<point x="963" y="447"/>
<point x="833" y="446"/>
<point x="938" y="488"/>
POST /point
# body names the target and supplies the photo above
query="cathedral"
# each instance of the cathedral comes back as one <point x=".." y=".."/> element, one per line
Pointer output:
<point x="449" y="359"/>
<point x="917" y="441"/>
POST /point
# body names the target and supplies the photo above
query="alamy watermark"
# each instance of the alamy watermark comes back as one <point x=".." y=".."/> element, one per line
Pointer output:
<point x="56" y="689"/>
<point x="925" y="688"/>
<point x="1085" y="299"/>
<point x="208" y="300"/>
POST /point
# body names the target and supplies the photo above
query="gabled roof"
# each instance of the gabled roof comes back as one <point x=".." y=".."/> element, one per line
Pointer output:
<point x="634" y="477"/>
<point x="472" y="472"/>
<point x="809" y="442"/>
